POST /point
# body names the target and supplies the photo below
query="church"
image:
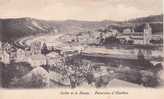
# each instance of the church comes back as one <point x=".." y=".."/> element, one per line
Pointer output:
<point x="142" y="38"/>
<point x="147" y="34"/>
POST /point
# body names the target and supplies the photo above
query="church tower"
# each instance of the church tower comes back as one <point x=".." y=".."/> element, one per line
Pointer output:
<point x="147" y="34"/>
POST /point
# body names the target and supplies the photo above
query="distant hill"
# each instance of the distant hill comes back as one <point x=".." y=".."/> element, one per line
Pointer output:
<point x="155" y="21"/>
<point x="149" y="19"/>
<point x="14" y="28"/>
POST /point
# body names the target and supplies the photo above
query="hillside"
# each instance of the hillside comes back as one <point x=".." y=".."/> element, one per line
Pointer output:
<point x="12" y="29"/>
<point x="155" y="21"/>
<point x="149" y="19"/>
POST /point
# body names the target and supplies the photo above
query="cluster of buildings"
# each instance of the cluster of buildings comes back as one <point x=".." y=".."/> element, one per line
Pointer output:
<point x="9" y="54"/>
<point x="144" y="37"/>
<point x="32" y="55"/>
<point x="127" y="34"/>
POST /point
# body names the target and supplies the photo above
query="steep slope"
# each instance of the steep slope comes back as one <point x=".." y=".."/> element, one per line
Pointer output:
<point x="16" y="28"/>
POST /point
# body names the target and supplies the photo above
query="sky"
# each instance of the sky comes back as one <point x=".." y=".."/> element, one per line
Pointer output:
<point x="96" y="10"/>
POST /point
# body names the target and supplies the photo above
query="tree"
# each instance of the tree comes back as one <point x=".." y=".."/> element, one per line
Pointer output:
<point x="44" y="49"/>
<point x="14" y="70"/>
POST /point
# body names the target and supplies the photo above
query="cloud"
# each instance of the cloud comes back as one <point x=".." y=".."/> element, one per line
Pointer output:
<point x="80" y="9"/>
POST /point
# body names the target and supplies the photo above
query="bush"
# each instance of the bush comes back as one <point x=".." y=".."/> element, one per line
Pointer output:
<point x="14" y="70"/>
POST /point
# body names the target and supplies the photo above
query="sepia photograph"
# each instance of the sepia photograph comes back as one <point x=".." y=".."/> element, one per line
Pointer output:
<point x="52" y="44"/>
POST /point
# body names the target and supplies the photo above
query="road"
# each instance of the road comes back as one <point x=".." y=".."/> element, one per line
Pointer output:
<point x="27" y="41"/>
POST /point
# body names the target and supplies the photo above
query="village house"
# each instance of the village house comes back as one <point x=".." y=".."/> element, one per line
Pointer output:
<point x="5" y="57"/>
<point x="13" y="54"/>
<point x="7" y="46"/>
<point x="28" y="52"/>
<point x="20" y="55"/>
